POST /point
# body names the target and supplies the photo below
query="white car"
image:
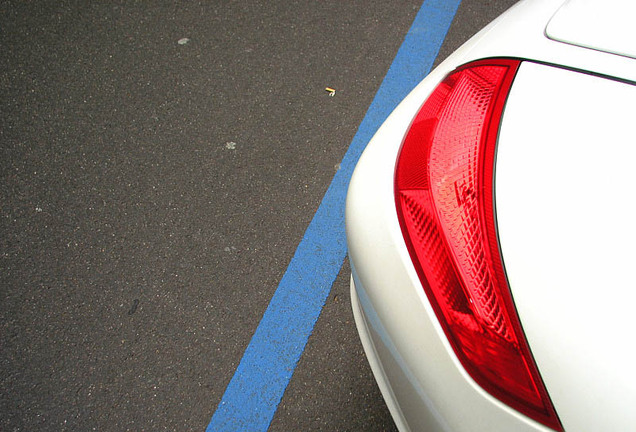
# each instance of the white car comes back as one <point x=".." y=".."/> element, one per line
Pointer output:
<point x="491" y="226"/>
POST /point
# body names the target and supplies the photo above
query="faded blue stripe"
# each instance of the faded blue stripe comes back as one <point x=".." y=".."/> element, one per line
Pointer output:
<point x="257" y="387"/>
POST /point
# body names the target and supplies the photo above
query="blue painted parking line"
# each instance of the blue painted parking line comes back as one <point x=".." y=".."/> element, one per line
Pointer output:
<point x="252" y="396"/>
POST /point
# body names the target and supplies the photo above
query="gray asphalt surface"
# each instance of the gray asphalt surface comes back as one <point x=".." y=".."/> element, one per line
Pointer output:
<point x="160" y="163"/>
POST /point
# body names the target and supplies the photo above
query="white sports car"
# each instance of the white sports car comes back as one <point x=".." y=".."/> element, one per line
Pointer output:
<point x="491" y="226"/>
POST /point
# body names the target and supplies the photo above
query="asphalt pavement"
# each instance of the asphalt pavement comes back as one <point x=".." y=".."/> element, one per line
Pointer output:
<point x="159" y="164"/>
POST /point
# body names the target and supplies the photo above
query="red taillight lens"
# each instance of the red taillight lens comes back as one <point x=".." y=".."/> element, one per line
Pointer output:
<point x="444" y="197"/>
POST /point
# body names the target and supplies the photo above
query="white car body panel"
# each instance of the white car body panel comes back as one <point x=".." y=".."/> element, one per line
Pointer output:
<point x="425" y="386"/>
<point x="520" y="33"/>
<point x="605" y="26"/>
<point x="566" y="216"/>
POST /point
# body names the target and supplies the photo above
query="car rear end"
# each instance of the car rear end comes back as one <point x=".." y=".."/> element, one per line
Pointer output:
<point x="509" y="256"/>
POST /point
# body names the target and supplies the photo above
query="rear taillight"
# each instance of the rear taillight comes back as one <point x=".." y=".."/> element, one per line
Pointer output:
<point x="444" y="195"/>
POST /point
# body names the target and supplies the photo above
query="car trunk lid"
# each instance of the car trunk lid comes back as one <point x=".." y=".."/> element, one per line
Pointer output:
<point x="565" y="214"/>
